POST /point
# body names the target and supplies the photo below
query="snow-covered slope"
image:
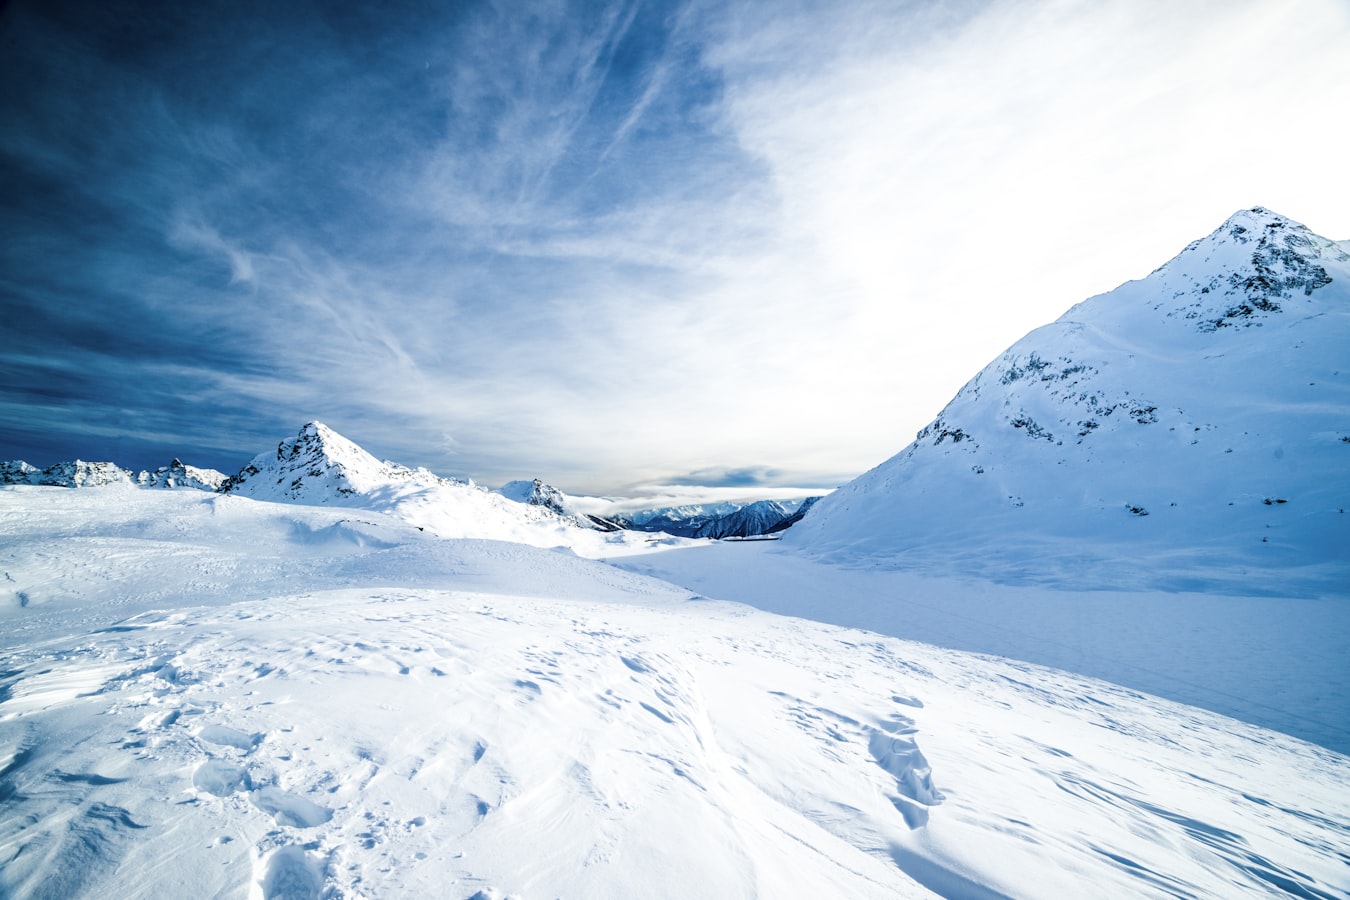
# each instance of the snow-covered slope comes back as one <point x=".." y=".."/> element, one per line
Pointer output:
<point x="207" y="696"/>
<point x="1190" y="430"/>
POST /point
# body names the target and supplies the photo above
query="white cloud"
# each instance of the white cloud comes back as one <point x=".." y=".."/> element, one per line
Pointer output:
<point x="942" y="194"/>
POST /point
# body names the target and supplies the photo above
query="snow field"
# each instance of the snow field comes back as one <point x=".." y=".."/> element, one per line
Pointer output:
<point x="1278" y="662"/>
<point x="353" y="708"/>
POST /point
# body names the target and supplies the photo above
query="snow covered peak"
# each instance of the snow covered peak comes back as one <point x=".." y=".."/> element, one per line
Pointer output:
<point x="1255" y="266"/>
<point x="535" y="492"/>
<point x="318" y="465"/>
<point x="178" y="475"/>
<point x="1194" y="420"/>
<point x="538" y="493"/>
<point x="321" y="467"/>
<point x="18" y="471"/>
<point x="76" y="473"/>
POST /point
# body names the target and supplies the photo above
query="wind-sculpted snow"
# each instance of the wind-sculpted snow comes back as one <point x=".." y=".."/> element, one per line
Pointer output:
<point x="1188" y="431"/>
<point x="212" y="696"/>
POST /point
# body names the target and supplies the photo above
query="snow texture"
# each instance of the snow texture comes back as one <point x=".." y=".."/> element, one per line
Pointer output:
<point x="208" y="695"/>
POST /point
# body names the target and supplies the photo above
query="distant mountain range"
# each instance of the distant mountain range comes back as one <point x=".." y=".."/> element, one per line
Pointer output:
<point x="318" y="466"/>
<point x="94" y="474"/>
<point x="1196" y="421"/>
<point x="724" y="519"/>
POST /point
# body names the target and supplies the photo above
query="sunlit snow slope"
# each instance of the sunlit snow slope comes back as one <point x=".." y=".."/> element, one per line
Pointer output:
<point x="1187" y="431"/>
<point x="209" y="696"/>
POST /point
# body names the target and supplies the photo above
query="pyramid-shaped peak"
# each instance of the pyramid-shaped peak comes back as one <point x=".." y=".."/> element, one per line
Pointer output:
<point x="318" y="465"/>
<point x="317" y="432"/>
<point x="1258" y="214"/>
<point x="1254" y="222"/>
<point x="317" y="439"/>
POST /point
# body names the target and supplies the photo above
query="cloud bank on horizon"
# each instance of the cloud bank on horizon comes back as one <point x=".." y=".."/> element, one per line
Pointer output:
<point x="607" y="243"/>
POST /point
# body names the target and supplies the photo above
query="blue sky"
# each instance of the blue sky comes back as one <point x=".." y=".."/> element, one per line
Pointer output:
<point x="608" y="244"/>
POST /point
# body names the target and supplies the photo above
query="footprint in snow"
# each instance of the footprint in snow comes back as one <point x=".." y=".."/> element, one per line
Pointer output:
<point x="220" y="778"/>
<point x="290" y="809"/>
<point x="291" y="873"/>
<point x="230" y="737"/>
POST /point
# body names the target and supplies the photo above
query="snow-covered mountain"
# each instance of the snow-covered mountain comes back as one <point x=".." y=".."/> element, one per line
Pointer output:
<point x="178" y="475"/>
<point x="681" y="517"/>
<point x="736" y="518"/>
<point x="318" y="466"/>
<point x="753" y="519"/>
<point x="716" y="520"/>
<point x="76" y="473"/>
<point x="18" y="471"/>
<point x="535" y="492"/>
<point x="1190" y="430"/>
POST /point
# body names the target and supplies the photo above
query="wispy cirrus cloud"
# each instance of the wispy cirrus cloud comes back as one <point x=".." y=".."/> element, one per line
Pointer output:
<point x="607" y="242"/>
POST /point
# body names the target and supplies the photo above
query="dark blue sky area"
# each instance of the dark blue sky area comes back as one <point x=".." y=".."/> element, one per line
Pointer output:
<point x="221" y="220"/>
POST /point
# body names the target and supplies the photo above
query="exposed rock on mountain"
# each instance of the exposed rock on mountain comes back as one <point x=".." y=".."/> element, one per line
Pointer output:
<point x="721" y="520"/>
<point x="66" y="474"/>
<point x="319" y="465"/>
<point x="18" y="472"/>
<point x="537" y="493"/>
<point x="178" y="475"/>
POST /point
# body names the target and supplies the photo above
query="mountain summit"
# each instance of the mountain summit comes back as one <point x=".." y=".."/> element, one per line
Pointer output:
<point x="1196" y="421"/>
<point x="318" y="465"/>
